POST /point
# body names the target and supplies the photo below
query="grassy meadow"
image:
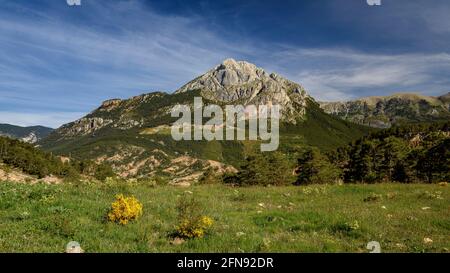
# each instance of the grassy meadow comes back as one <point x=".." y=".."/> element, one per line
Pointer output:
<point x="318" y="218"/>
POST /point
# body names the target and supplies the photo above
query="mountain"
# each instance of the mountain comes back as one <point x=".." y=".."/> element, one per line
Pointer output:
<point x="30" y="134"/>
<point x="244" y="83"/>
<point x="134" y="136"/>
<point x="383" y="112"/>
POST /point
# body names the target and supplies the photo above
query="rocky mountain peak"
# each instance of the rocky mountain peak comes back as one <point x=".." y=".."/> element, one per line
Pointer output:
<point x="242" y="81"/>
<point x="225" y="75"/>
<point x="231" y="72"/>
<point x="230" y="62"/>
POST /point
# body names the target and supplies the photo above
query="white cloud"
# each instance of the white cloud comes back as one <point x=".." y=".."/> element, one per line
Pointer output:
<point x="340" y="74"/>
<point x="65" y="68"/>
<point x="52" y="64"/>
<point x="50" y="119"/>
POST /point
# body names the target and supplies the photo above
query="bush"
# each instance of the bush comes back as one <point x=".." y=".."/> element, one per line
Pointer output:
<point x="373" y="197"/>
<point x="196" y="228"/>
<point x="192" y="224"/>
<point x="210" y="176"/>
<point x="103" y="171"/>
<point x="125" y="209"/>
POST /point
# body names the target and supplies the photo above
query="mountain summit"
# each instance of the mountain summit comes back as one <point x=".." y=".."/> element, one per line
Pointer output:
<point x="242" y="82"/>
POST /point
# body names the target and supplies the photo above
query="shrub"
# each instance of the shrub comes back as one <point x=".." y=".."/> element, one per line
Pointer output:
<point x="211" y="176"/>
<point x="194" y="228"/>
<point x="373" y="197"/>
<point x="192" y="222"/>
<point x="125" y="209"/>
<point x="103" y="171"/>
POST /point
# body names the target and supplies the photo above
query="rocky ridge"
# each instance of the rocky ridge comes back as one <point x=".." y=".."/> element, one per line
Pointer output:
<point x="383" y="112"/>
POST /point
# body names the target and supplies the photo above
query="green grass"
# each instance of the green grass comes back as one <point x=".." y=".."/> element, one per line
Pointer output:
<point x="44" y="218"/>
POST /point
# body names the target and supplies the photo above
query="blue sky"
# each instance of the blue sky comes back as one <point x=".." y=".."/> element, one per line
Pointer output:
<point x="58" y="62"/>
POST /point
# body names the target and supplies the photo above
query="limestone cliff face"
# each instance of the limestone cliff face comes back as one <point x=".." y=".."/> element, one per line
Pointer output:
<point x="383" y="112"/>
<point x="83" y="126"/>
<point x="242" y="82"/>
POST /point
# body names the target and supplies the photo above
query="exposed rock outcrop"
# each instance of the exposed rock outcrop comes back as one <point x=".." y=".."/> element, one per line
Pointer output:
<point x="30" y="138"/>
<point x="383" y="112"/>
<point x="84" y="126"/>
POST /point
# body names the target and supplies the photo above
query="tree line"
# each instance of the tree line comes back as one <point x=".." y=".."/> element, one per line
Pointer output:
<point x="30" y="160"/>
<point x="408" y="154"/>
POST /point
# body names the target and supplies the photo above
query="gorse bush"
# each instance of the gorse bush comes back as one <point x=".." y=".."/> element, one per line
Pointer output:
<point x="194" y="228"/>
<point x="125" y="209"/>
<point x="192" y="222"/>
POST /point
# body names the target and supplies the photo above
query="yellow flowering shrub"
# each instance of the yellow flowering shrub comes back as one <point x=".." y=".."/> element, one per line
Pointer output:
<point x="124" y="209"/>
<point x="194" y="228"/>
<point x="192" y="222"/>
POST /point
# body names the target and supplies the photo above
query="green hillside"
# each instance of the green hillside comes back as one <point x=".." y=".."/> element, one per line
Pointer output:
<point x="323" y="130"/>
<point x="22" y="132"/>
<point x="25" y="158"/>
<point x="316" y="129"/>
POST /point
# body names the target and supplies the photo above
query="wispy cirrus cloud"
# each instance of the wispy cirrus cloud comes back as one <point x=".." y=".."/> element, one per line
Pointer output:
<point x="58" y="61"/>
<point x="340" y="74"/>
<point x="48" y="63"/>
